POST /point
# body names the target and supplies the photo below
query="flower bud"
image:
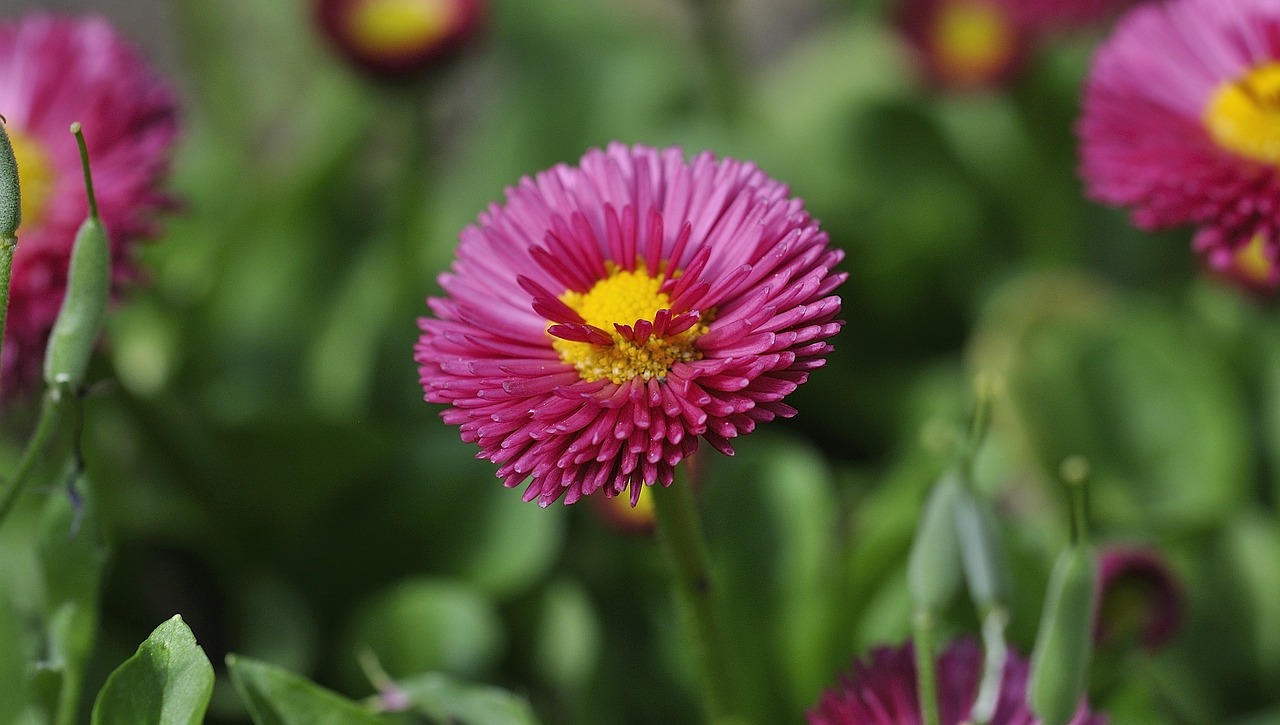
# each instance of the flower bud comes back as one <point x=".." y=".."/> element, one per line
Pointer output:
<point x="1064" y="644"/>
<point x="985" y="568"/>
<point x="10" y="194"/>
<point x="397" y="39"/>
<point x="933" y="567"/>
<point x="75" y="333"/>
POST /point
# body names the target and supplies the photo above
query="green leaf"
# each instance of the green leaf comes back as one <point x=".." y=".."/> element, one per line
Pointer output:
<point x="168" y="681"/>
<point x="448" y="699"/>
<point x="278" y="697"/>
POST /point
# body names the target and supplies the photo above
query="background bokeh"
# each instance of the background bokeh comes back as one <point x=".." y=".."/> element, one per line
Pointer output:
<point x="263" y="462"/>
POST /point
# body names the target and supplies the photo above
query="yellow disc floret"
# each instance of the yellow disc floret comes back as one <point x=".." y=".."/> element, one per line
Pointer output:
<point x="623" y="298"/>
<point x="399" y="26"/>
<point x="1243" y="115"/>
<point x="973" y="40"/>
<point x="35" y="176"/>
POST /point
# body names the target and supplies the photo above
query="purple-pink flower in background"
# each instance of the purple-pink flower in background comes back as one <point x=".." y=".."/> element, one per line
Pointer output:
<point x="881" y="690"/>
<point x="609" y="316"/>
<point x="55" y="70"/>
<point x="1182" y="124"/>
<point x="1138" y="595"/>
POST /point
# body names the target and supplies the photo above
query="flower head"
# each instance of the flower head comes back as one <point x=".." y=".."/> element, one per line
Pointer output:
<point x="966" y="43"/>
<point x="55" y="70"/>
<point x="1182" y="124"/>
<point x="610" y="316"/>
<point x="398" y="38"/>
<point x="881" y="690"/>
<point x="1137" y="591"/>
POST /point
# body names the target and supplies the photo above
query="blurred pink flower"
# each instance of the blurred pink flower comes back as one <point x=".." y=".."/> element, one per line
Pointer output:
<point x="1182" y="124"/>
<point x="881" y="690"/>
<point x="972" y="43"/>
<point x="397" y="39"/>
<point x="966" y="43"/>
<point x="55" y="70"/>
<point x="610" y="315"/>
<point x="1137" y="591"/>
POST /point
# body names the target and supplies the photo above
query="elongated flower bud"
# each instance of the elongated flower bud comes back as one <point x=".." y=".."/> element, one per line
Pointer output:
<point x="10" y="194"/>
<point x="985" y="568"/>
<point x="1064" y="644"/>
<point x="75" y="332"/>
<point x="933" y="568"/>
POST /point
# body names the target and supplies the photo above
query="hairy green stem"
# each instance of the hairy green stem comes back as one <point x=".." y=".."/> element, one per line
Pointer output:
<point x="680" y="534"/>
<point x="8" y="245"/>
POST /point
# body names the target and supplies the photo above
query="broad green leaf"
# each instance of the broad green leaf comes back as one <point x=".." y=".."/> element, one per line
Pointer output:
<point x="169" y="681"/>
<point x="277" y="697"/>
<point x="450" y="700"/>
<point x="770" y="525"/>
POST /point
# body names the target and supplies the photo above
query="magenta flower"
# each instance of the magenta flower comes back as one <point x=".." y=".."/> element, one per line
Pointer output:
<point x="1137" y="594"/>
<point x="610" y="316"/>
<point x="55" y="70"/>
<point x="1182" y="124"/>
<point x="882" y="690"/>
<point x="397" y="39"/>
<point x="966" y="43"/>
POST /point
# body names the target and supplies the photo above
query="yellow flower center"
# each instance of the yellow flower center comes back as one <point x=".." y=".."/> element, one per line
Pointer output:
<point x="623" y="298"/>
<point x="1252" y="262"/>
<point x="1243" y="115"/>
<point x="972" y="40"/>
<point x="35" y="176"/>
<point x="399" y="26"/>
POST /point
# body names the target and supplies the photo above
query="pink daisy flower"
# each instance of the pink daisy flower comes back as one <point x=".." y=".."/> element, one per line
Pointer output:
<point x="1182" y="124"/>
<point x="610" y="316"/>
<point x="398" y="38"/>
<point x="1137" y="594"/>
<point x="882" y="690"/>
<point x="55" y="70"/>
<point x="966" y="43"/>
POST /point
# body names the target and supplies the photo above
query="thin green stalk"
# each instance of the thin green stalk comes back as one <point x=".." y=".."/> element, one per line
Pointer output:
<point x="715" y="28"/>
<point x="50" y="411"/>
<point x="680" y="534"/>
<point x="926" y="678"/>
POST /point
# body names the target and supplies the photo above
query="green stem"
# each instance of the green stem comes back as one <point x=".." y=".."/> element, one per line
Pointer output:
<point x="49" y="414"/>
<point x="714" y="27"/>
<point x="926" y="678"/>
<point x="84" y="163"/>
<point x="680" y="534"/>
<point x="8" y="245"/>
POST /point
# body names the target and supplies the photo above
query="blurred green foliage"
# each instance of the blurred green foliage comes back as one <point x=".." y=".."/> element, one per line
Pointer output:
<point x="265" y="467"/>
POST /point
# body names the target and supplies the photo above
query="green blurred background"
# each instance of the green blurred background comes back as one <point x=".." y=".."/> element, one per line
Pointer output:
<point x="265" y="466"/>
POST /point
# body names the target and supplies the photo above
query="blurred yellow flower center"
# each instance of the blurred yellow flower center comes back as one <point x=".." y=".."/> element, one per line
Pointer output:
<point x="35" y="176"/>
<point x="1252" y="262"/>
<point x="1243" y="115"/>
<point x="623" y="298"/>
<point x="399" y="26"/>
<point x="972" y="40"/>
